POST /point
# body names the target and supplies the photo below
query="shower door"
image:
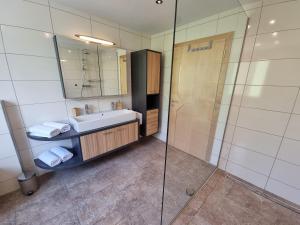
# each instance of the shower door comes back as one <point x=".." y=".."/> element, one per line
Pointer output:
<point x="208" y="38"/>
<point x="197" y="71"/>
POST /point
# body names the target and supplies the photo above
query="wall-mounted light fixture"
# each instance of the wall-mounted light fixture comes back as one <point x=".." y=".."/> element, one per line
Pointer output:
<point x="94" y="40"/>
<point x="159" y="2"/>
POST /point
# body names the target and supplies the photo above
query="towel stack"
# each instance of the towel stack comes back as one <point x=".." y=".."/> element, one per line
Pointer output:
<point x="55" y="156"/>
<point x="49" y="129"/>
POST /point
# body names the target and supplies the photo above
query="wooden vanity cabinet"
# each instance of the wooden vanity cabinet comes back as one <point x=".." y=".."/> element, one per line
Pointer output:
<point x="98" y="143"/>
<point x="145" y="79"/>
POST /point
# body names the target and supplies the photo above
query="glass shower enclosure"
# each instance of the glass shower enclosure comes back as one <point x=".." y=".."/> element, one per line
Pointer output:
<point x="207" y="44"/>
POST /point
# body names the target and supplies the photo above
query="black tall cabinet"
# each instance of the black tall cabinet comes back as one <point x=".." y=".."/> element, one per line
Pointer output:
<point x="145" y="84"/>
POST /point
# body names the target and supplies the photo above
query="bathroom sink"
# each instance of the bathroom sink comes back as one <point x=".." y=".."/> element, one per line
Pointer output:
<point x="103" y="119"/>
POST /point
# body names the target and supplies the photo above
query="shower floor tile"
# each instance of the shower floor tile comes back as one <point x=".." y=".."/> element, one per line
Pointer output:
<point x="224" y="201"/>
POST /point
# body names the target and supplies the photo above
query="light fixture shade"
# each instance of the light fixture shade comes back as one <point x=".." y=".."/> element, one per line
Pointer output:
<point x="94" y="40"/>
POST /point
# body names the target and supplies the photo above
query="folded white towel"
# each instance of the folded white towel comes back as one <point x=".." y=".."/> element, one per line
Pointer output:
<point x="62" y="153"/>
<point x="63" y="127"/>
<point x="49" y="158"/>
<point x="44" y="131"/>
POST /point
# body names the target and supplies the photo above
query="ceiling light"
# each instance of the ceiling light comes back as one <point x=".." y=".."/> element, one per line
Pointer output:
<point x="275" y="34"/>
<point x="88" y="39"/>
<point x="272" y="21"/>
<point x="159" y="2"/>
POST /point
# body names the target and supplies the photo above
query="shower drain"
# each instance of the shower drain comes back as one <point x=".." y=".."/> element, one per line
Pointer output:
<point x="190" y="191"/>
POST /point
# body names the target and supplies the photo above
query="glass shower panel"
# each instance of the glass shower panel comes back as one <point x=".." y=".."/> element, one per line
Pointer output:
<point x="209" y="35"/>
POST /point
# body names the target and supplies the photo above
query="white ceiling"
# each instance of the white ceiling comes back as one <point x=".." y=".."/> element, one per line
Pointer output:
<point x="148" y="17"/>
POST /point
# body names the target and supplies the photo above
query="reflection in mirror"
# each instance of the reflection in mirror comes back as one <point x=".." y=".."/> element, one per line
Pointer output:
<point x="113" y="67"/>
<point x="79" y="68"/>
<point x="90" y="70"/>
<point x="206" y="56"/>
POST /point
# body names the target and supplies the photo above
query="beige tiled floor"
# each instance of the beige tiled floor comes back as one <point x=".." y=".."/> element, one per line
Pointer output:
<point x="224" y="201"/>
<point x="125" y="188"/>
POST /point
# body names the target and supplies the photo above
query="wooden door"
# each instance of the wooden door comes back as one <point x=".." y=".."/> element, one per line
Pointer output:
<point x="93" y="145"/>
<point x="197" y="72"/>
<point x="153" y="72"/>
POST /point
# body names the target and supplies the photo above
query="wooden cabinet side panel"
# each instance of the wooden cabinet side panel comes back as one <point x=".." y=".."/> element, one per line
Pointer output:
<point x="153" y="72"/>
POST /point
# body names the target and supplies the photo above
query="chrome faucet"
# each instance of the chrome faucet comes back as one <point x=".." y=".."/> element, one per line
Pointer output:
<point x="86" y="109"/>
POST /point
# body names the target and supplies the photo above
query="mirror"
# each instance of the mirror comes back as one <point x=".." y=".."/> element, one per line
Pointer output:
<point x="89" y="70"/>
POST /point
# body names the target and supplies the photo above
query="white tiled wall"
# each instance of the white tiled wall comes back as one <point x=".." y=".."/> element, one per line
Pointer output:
<point x="29" y="78"/>
<point x="266" y="141"/>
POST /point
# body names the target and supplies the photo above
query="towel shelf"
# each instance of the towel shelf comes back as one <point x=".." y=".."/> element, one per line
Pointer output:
<point x="73" y="162"/>
<point x="64" y="136"/>
<point x="77" y="148"/>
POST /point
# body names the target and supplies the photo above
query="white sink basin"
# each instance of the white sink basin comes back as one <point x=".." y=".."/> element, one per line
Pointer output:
<point x="99" y="120"/>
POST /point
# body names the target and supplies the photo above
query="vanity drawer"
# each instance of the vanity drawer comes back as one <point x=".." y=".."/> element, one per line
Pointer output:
<point x="95" y="144"/>
<point x="152" y="122"/>
<point x="110" y="139"/>
<point x="133" y="132"/>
